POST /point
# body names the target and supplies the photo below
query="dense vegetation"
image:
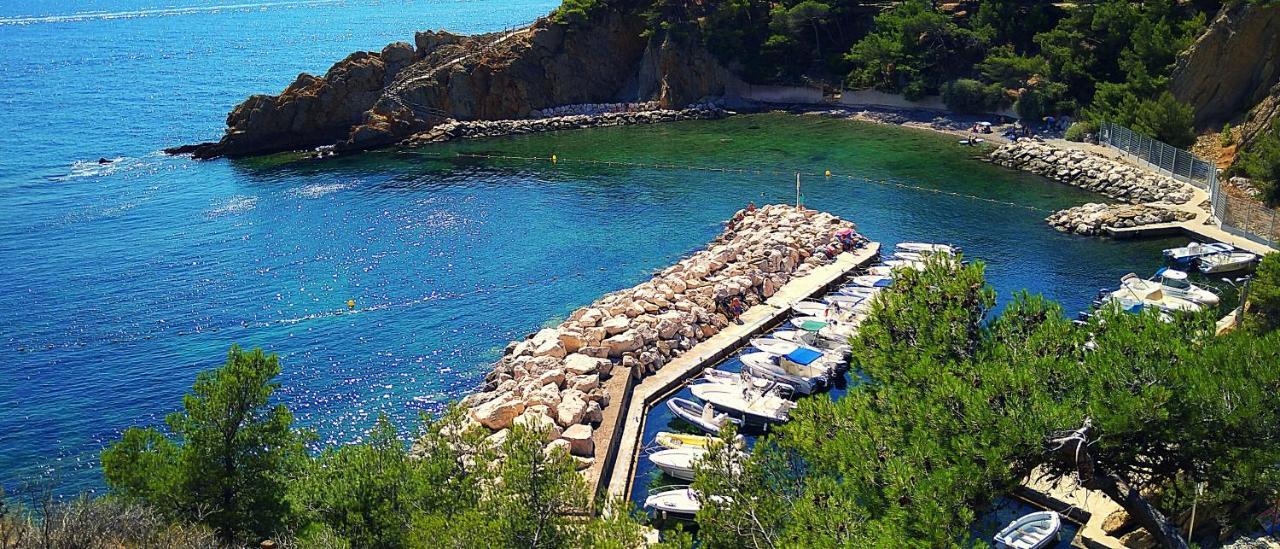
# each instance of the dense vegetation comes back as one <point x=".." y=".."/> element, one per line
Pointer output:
<point x="1262" y="163"/>
<point x="958" y="411"/>
<point x="235" y="463"/>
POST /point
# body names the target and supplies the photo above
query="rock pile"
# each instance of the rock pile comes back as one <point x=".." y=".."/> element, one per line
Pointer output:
<point x="552" y="379"/>
<point x="1093" y="219"/>
<point x="595" y="108"/>
<point x="480" y="129"/>
<point x="1091" y="172"/>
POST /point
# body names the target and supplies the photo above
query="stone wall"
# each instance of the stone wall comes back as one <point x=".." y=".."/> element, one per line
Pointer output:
<point x="553" y="378"/>
<point x="1093" y="219"/>
<point x="1092" y="172"/>
<point x="479" y="129"/>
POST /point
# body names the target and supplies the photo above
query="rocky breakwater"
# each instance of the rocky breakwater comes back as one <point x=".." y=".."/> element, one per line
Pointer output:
<point x="1094" y="219"/>
<point x="1092" y="172"/>
<point x="480" y="129"/>
<point x="552" y="380"/>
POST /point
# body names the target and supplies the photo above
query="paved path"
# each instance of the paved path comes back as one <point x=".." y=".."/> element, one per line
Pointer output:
<point x="614" y="470"/>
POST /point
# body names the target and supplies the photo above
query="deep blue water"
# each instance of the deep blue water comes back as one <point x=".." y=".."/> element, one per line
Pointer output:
<point x="121" y="282"/>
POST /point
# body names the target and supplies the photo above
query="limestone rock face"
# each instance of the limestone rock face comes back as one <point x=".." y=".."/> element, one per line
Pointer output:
<point x="372" y="99"/>
<point x="1232" y="66"/>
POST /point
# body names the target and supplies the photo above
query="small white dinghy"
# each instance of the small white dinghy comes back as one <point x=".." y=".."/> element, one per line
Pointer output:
<point x="1031" y="531"/>
<point x="702" y="416"/>
<point x="678" y="462"/>
<point x="811" y="308"/>
<point x="677" y="501"/>
<point x="923" y="247"/>
<point x="1227" y="262"/>
<point x="858" y="291"/>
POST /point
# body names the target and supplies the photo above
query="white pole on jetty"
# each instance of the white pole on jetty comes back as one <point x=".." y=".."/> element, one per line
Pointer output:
<point x="797" y="190"/>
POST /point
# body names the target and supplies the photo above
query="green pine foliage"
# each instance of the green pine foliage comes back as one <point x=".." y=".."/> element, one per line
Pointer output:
<point x="226" y="458"/>
<point x="959" y="408"/>
<point x="1264" y="295"/>
<point x="1261" y="162"/>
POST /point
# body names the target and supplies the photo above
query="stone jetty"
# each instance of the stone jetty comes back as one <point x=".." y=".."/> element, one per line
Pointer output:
<point x="480" y="129"/>
<point x="1093" y="219"/>
<point x="554" y="378"/>
<point x="1092" y="172"/>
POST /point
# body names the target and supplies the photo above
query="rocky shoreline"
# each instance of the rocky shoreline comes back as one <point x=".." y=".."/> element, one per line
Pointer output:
<point x="1093" y="219"/>
<point x="552" y="379"/>
<point x="481" y="129"/>
<point x="1092" y="172"/>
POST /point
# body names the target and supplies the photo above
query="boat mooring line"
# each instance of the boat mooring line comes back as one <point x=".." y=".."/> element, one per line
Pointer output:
<point x="555" y="159"/>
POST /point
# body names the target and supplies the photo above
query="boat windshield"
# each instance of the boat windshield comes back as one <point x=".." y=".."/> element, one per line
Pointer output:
<point x="1177" y="283"/>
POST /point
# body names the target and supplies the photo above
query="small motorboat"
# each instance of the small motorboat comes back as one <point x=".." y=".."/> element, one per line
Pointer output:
<point x="720" y="376"/>
<point x="858" y="291"/>
<point x="791" y="351"/>
<point x="702" y="416"/>
<point x="841" y="332"/>
<point x="811" y="308"/>
<point x="809" y="323"/>
<point x="812" y="339"/>
<point x="871" y="281"/>
<point x="922" y="247"/>
<point x="806" y="378"/>
<point x="1186" y="254"/>
<point x="678" y="462"/>
<point x="748" y="402"/>
<point x="1226" y="262"/>
<point x="1030" y="531"/>
<point x="1150" y="294"/>
<point x="674" y="501"/>
<point x="844" y="305"/>
<point x="1175" y="283"/>
<point x="901" y="264"/>
<point x="682" y="440"/>
<point x="880" y="270"/>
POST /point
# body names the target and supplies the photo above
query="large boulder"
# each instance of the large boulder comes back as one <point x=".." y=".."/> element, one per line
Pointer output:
<point x="580" y="364"/>
<point x="616" y="325"/>
<point x="624" y="343"/>
<point x="498" y="413"/>
<point x="573" y="407"/>
<point x="580" y="441"/>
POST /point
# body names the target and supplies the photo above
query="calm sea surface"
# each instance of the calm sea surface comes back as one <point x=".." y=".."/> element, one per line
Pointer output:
<point x="120" y="282"/>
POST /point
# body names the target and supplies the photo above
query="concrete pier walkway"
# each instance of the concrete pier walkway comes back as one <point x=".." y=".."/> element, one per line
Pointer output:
<point x="619" y="437"/>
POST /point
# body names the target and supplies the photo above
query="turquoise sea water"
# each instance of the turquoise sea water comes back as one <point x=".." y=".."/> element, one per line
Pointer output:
<point x="120" y="282"/>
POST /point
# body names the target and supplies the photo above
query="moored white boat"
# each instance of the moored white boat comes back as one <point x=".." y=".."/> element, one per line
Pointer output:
<point x="812" y="339"/>
<point x="922" y="247"/>
<point x="1149" y="294"/>
<point x="677" y="501"/>
<point x="749" y="403"/>
<point x="1190" y="252"/>
<point x="900" y="264"/>
<point x="871" y="281"/>
<point x="682" y="440"/>
<point x="805" y="378"/>
<point x="678" y="462"/>
<point x="702" y="416"/>
<point x="811" y="308"/>
<point x="1226" y="262"/>
<point x="736" y="378"/>
<point x="1030" y="531"/>
<point x="1175" y="283"/>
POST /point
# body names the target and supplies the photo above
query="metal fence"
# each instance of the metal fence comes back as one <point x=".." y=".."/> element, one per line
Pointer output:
<point x="1236" y="215"/>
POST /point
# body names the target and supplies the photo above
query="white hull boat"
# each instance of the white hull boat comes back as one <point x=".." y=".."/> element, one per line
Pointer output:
<point x="737" y="378"/>
<point x="858" y="291"/>
<point x="702" y="416"/>
<point x="924" y="247"/>
<point x="1150" y="294"/>
<point x="1227" y="262"/>
<point x="805" y="378"/>
<point x="811" y="308"/>
<point x="1194" y="250"/>
<point x="677" y="501"/>
<point x="795" y="354"/>
<point x="1031" y="531"/>
<point x="678" y="462"/>
<point x="845" y="304"/>
<point x="809" y="323"/>
<point x="681" y="440"/>
<point x="871" y="281"/>
<point x="901" y="264"/>
<point x="811" y="339"/>
<point x="751" y="404"/>
<point x="842" y="332"/>
<point x="1175" y="283"/>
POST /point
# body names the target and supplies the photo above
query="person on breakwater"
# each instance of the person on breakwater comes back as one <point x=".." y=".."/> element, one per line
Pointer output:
<point x="736" y="308"/>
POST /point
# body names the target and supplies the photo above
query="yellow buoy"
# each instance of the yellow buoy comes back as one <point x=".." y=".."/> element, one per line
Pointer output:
<point x="351" y="303"/>
<point x="828" y="173"/>
<point x="553" y="159"/>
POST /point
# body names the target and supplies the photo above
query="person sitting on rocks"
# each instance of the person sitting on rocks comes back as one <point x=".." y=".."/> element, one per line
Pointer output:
<point x="751" y="206"/>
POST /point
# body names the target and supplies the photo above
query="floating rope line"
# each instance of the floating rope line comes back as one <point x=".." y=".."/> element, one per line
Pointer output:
<point x="755" y="171"/>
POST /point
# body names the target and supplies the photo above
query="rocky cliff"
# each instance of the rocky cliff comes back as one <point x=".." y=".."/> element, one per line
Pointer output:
<point x="373" y="99"/>
<point x="1233" y="66"/>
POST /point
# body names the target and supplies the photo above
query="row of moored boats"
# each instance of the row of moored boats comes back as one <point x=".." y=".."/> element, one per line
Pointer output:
<point x="1170" y="290"/>
<point x="805" y="357"/>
